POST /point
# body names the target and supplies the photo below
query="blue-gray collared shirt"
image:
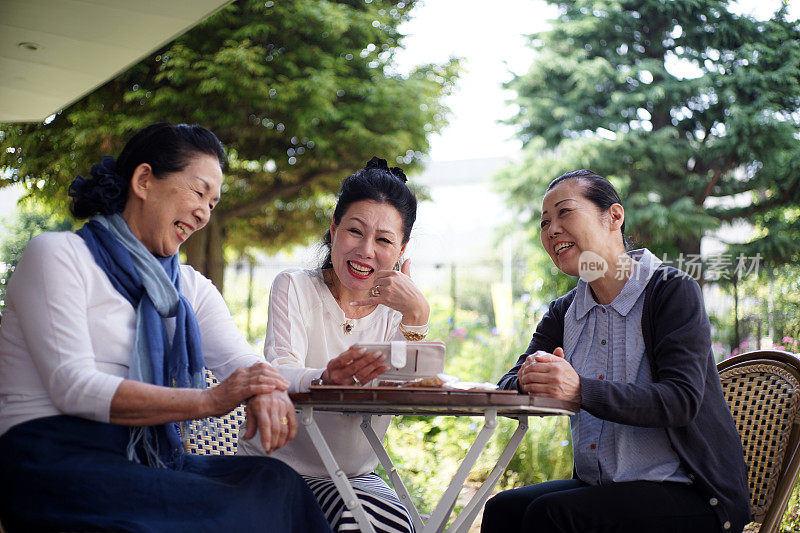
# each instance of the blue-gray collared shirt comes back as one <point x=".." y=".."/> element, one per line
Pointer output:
<point x="605" y="342"/>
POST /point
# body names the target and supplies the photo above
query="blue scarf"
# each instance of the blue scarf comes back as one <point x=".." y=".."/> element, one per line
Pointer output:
<point x="152" y="286"/>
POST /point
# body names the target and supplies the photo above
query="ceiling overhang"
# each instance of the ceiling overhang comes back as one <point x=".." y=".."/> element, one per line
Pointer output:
<point x="53" y="52"/>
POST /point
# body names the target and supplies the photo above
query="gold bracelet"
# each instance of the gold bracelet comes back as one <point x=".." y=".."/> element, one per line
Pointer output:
<point x="412" y="335"/>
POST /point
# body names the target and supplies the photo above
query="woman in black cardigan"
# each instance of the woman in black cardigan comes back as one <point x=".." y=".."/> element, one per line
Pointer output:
<point x="654" y="443"/>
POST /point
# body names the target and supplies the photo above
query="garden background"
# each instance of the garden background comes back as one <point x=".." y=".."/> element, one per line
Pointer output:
<point x="690" y="107"/>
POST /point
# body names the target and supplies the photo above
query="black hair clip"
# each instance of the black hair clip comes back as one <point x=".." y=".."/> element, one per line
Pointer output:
<point x="398" y="173"/>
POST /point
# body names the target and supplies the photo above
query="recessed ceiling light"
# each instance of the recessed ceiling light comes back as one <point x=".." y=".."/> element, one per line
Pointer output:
<point x="29" y="45"/>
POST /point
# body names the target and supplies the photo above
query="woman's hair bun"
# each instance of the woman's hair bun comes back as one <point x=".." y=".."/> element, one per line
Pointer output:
<point x="380" y="164"/>
<point x="377" y="162"/>
<point x="104" y="194"/>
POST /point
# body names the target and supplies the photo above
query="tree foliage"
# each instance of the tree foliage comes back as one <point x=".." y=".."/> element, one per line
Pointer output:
<point x="691" y="110"/>
<point x="301" y="93"/>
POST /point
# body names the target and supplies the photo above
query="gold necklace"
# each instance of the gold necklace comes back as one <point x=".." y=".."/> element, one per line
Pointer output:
<point x="347" y="325"/>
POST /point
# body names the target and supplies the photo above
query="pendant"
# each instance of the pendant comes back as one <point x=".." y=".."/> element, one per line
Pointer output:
<point x="348" y="327"/>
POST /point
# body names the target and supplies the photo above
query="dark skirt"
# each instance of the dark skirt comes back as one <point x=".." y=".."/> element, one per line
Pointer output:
<point x="64" y="473"/>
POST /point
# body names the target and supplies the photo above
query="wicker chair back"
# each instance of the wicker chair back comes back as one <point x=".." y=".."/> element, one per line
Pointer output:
<point x="221" y="437"/>
<point x="762" y="389"/>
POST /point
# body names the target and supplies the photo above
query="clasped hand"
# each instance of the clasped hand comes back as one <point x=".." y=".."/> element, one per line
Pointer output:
<point x="549" y="375"/>
<point x="269" y="409"/>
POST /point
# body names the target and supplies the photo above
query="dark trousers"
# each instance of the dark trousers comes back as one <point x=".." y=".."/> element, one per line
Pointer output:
<point x="64" y="473"/>
<point x="570" y="505"/>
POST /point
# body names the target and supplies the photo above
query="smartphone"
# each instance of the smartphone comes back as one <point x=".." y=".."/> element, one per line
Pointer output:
<point x="419" y="359"/>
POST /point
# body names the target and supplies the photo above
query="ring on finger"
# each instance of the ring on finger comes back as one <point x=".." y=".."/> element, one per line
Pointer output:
<point x="375" y="291"/>
<point x="356" y="380"/>
<point x="284" y="421"/>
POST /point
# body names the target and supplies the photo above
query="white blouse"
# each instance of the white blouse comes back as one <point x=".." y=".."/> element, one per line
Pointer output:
<point x="305" y="330"/>
<point x="66" y="335"/>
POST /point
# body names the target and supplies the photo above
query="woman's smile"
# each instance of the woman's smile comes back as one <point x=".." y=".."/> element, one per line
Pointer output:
<point x="359" y="270"/>
<point x="562" y="247"/>
<point x="183" y="230"/>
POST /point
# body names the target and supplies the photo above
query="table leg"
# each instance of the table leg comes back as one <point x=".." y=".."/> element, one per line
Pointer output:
<point x="467" y="516"/>
<point x="391" y="471"/>
<point x="445" y="506"/>
<point x="339" y="478"/>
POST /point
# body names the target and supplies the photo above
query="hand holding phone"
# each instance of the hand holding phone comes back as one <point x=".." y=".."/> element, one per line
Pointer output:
<point x="355" y="366"/>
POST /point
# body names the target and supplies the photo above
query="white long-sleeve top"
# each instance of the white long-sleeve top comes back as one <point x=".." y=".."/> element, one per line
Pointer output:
<point x="67" y="335"/>
<point x="305" y="330"/>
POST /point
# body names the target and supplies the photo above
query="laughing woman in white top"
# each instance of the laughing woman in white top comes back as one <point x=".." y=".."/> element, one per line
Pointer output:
<point x="361" y="294"/>
<point x="102" y="351"/>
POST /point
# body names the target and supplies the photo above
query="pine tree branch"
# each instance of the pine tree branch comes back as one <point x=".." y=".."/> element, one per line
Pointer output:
<point x="747" y="211"/>
<point x="716" y="176"/>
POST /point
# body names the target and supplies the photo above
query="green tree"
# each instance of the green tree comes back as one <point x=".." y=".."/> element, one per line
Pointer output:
<point x="691" y="110"/>
<point x="301" y="93"/>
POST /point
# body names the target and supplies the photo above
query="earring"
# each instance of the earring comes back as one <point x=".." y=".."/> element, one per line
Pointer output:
<point x="397" y="265"/>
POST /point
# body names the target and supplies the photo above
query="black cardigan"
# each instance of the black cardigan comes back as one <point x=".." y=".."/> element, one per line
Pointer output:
<point x="685" y="397"/>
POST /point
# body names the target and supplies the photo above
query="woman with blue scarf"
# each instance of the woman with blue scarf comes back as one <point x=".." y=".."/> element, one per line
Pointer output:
<point x="103" y="347"/>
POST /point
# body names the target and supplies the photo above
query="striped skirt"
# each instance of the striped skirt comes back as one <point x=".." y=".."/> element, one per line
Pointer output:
<point x="380" y="502"/>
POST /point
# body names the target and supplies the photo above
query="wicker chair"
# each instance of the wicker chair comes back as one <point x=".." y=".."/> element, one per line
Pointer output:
<point x="222" y="435"/>
<point x="762" y="389"/>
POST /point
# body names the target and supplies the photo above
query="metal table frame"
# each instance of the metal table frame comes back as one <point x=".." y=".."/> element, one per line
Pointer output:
<point x="426" y="402"/>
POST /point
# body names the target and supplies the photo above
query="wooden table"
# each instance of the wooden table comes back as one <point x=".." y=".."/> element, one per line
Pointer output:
<point x="424" y="402"/>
